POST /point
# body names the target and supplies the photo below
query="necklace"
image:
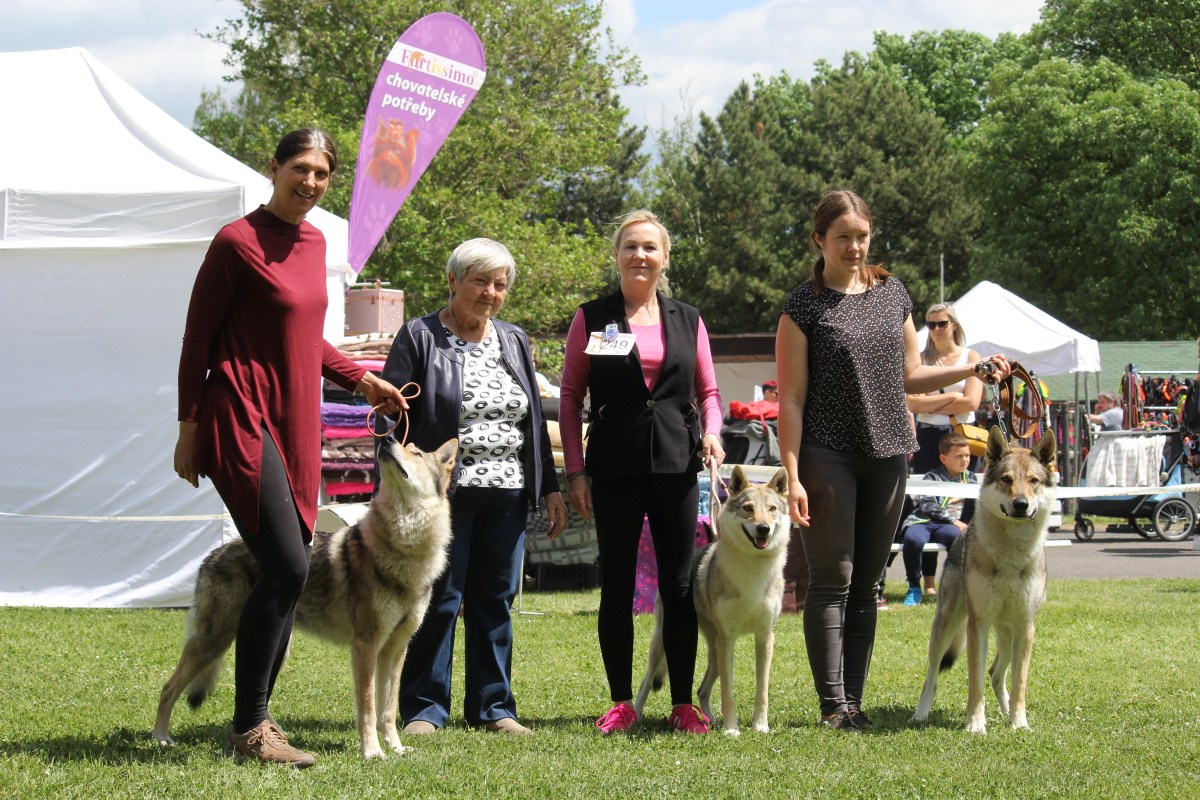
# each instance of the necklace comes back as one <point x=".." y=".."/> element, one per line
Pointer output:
<point x="949" y="359"/>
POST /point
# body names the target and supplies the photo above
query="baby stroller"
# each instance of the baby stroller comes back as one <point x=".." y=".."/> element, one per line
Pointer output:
<point x="1166" y="515"/>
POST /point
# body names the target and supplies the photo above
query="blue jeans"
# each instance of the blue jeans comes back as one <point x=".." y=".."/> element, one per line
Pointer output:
<point x="916" y="536"/>
<point x="481" y="575"/>
<point x="854" y="502"/>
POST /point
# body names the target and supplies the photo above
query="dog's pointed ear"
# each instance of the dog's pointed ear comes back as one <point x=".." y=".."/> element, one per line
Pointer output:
<point x="1046" y="450"/>
<point x="447" y="454"/>
<point x="780" y="481"/>
<point x="738" y="480"/>
<point x="997" y="447"/>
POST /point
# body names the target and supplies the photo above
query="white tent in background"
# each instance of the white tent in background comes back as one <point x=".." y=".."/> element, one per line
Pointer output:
<point x="108" y="205"/>
<point x="997" y="321"/>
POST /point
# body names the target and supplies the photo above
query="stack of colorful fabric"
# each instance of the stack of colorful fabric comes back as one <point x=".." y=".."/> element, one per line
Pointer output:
<point x="347" y="452"/>
<point x="347" y="447"/>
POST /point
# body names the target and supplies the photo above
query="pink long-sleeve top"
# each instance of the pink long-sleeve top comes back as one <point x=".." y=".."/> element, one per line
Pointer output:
<point x="650" y="344"/>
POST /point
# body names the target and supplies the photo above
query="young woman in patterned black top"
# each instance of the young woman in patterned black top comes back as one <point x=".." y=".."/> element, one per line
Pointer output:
<point x="846" y="354"/>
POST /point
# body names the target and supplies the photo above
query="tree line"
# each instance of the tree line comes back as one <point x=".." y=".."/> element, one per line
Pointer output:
<point x="1063" y="164"/>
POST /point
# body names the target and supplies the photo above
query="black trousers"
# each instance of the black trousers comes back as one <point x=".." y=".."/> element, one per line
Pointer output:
<point x="854" y="502"/>
<point x="669" y="502"/>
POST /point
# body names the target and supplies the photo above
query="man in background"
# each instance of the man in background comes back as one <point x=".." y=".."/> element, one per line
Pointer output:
<point x="1109" y="415"/>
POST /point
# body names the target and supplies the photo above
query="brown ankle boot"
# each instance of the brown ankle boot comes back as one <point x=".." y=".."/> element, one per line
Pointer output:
<point x="265" y="742"/>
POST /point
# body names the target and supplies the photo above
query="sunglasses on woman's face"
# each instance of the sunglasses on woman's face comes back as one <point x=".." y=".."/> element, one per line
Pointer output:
<point x="937" y="324"/>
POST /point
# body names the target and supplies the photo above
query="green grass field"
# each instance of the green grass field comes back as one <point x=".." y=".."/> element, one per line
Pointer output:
<point x="1114" y="702"/>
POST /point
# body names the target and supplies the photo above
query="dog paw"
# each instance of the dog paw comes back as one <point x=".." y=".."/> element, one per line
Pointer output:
<point x="762" y="728"/>
<point x="732" y="732"/>
<point x="1019" y="723"/>
<point x="976" y="726"/>
<point x="370" y="751"/>
<point x="163" y="739"/>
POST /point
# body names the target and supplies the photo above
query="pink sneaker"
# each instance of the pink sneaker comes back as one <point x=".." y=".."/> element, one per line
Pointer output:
<point x="688" y="719"/>
<point x="618" y="718"/>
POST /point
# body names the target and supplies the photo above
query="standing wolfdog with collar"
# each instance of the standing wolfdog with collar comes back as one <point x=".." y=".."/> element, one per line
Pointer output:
<point x="737" y="588"/>
<point x="995" y="576"/>
<point x="368" y="587"/>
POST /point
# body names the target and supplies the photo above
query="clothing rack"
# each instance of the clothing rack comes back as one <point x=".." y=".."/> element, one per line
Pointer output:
<point x="1132" y="369"/>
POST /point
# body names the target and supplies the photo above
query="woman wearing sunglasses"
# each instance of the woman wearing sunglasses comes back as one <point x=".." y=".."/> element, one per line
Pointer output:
<point x="933" y="411"/>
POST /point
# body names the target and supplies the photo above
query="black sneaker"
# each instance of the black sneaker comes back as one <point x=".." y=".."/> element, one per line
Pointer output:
<point x="841" y="721"/>
<point x="860" y="719"/>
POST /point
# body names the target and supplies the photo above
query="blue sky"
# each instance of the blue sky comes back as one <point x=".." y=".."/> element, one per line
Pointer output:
<point x="693" y="52"/>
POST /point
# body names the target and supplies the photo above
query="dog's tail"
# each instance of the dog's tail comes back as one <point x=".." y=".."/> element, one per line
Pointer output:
<point x="222" y="586"/>
<point x="204" y="683"/>
<point x="957" y="645"/>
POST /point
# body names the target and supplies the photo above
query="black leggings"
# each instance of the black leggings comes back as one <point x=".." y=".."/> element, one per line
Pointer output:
<point x="854" y="502"/>
<point x="670" y="503"/>
<point x="282" y="550"/>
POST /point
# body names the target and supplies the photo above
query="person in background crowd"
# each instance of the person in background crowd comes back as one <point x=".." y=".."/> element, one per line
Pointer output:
<point x="936" y="412"/>
<point x="933" y="410"/>
<point x="249" y="412"/>
<point x="846" y="354"/>
<point x="656" y="411"/>
<point x="478" y="383"/>
<point x="1108" y="415"/>
<point x="937" y="519"/>
<point x="770" y="391"/>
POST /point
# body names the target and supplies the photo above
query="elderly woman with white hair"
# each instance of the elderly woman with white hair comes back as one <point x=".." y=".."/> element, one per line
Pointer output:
<point x="477" y="383"/>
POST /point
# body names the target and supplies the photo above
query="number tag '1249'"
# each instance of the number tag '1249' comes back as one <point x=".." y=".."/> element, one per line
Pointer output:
<point x="619" y="345"/>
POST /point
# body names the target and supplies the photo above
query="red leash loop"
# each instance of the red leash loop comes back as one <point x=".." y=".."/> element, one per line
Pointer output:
<point x="403" y="415"/>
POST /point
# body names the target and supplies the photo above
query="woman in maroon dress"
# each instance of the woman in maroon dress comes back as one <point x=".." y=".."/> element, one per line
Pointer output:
<point x="250" y="376"/>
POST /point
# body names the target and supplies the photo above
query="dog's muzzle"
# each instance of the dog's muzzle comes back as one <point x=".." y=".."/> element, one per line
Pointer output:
<point x="761" y="537"/>
<point x="1022" y="508"/>
<point x="387" y="453"/>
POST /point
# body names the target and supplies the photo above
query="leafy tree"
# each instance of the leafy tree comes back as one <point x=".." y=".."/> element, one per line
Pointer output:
<point x="545" y="118"/>
<point x="1150" y="38"/>
<point x="747" y="186"/>
<point x="948" y="69"/>
<point x="1089" y="180"/>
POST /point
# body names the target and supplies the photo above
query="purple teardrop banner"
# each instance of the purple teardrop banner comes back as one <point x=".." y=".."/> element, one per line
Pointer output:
<point x="428" y="80"/>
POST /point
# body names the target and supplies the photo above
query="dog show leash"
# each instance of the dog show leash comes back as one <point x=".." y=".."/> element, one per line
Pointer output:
<point x="402" y="415"/>
<point x="1004" y="393"/>
<point x="715" y="484"/>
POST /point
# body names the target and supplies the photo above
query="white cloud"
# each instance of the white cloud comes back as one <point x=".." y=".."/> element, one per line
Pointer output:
<point x="693" y="66"/>
<point x="155" y="45"/>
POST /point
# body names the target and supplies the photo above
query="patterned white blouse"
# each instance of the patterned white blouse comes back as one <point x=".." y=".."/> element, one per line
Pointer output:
<point x="489" y="421"/>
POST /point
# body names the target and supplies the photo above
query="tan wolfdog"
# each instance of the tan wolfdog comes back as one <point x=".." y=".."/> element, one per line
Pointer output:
<point x="368" y="587"/>
<point x="737" y="588"/>
<point x="995" y="576"/>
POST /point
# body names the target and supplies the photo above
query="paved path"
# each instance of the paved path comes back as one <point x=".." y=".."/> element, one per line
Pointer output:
<point x="1107" y="555"/>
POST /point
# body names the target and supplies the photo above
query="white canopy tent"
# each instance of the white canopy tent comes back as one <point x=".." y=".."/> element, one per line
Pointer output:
<point x="997" y="321"/>
<point x="108" y="206"/>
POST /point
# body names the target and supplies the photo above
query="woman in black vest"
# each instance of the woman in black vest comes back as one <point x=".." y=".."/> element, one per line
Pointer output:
<point x="655" y="409"/>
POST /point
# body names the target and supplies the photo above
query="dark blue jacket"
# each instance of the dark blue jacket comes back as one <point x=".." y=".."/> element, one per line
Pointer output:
<point x="422" y="353"/>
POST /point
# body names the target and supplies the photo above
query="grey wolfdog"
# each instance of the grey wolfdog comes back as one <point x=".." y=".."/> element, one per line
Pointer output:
<point x="368" y="587"/>
<point x="737" y="588"/>
<point x="995" y="577"/>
